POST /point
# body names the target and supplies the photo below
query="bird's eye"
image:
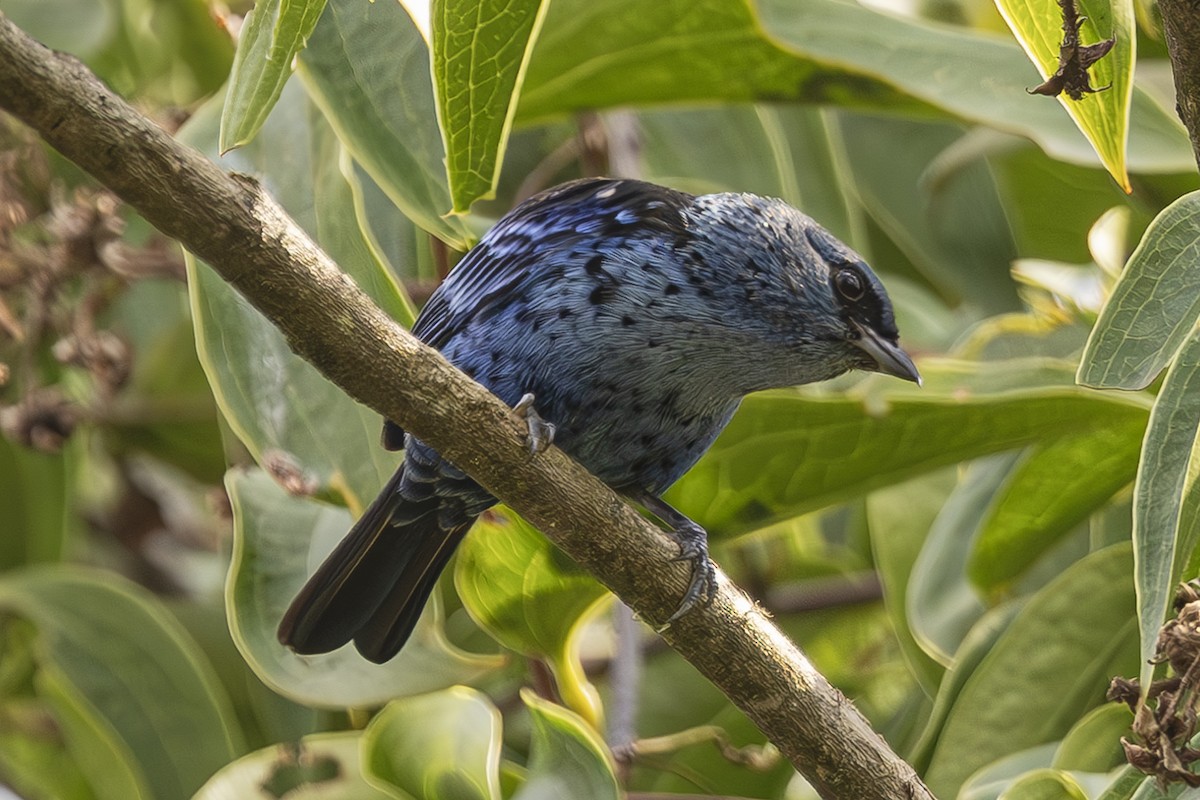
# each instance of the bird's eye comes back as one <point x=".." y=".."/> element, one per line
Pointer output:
<point x="850" y="284"/>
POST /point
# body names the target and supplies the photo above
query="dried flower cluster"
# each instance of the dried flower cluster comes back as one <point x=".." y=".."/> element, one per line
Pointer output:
<point x="1165" y="721"/>
<point x="63" y="260"/>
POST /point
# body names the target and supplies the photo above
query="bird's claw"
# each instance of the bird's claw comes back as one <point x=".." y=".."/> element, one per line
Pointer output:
<point x="541" y="432"/>
<point x="693" y="548"/>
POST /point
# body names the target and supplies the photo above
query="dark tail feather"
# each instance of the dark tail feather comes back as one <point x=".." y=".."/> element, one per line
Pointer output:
<point x="383" y="570"/>
<point x="381" y="638"/>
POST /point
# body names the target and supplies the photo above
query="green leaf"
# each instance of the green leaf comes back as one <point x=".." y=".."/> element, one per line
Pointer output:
<point x="1154" y="305"/>
<point x="900" y="519"/>
<point x="1045" y="784"/>
<point x="33" y="505"/>
<point x="79" y="27"/>
<point x="117" y="661"/>
<point x="441" y="745"/>
<point x="273" y="399"/>
<point x="955" y="230"/>
<point x="278" y="541"/>
<point x="989" y="782"/>
<point x="702" y="151"/>
<point x="1053" y="488"/>
<point x="367" y="67"/>
<point x="589" y="56"/>
<point x="324" y="766"/>
<point x="1104" y="116"/>
<point x="975" y="647"/>
<point x="1150" y="790"/>
<point x="567" y="758"/>
<point x="942" y="604"/>
<point x="789" y="452"/>
<point x="111" y="768"/>
<point x="1050" y="203"/>
<point x="1049" y="666"/>
<point x="913" y="56"/>
<point x="1125" y="784"/>
<point x="1094" y="742"/>
<point x="273" y="33"/>
<point x="480" y="53"/>
<point x="1166" y="503"/>
<point x="532" y="598"/>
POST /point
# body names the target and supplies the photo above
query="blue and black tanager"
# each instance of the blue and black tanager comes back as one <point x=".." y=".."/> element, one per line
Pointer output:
<point x="628" y="321"/>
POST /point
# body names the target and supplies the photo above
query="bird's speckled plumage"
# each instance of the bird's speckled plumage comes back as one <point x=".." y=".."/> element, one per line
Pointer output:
<point x="638" y="317"/>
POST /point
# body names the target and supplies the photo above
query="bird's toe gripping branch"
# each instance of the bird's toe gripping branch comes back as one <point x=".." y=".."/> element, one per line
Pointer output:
<point x="693" y="548"/>
<point x="541" y="432"/>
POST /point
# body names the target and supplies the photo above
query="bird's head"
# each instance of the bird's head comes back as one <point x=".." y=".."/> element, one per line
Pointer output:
<point x="858" y="300"/>
<point x="826" y="308"/>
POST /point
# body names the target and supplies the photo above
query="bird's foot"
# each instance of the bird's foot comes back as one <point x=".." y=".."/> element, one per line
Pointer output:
<point x="693" y="548"/>
<point x="541" y="432"/>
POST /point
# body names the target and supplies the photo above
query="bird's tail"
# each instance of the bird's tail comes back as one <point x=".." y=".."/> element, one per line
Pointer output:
<point x="372" y="587"/>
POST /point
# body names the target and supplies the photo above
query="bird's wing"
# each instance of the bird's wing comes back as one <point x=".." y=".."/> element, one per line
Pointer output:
<point x="536" y="234"/>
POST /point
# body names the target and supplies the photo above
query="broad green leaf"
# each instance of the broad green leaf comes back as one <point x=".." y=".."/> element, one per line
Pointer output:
<point x="273" y="399"/>
<point x="1049" y="666"/>
<point x="1045" y="784"/>
<point x="480" y="53"/>
<point x="942" y="604"/>
<point x="1166" y="502"/>
<point x="532" y="598"/>
<point x="172" y="53"/>
<point x="788" y="452"/>
<point x="1154" y="305"/>
<point x="405" y="249"/>
<point x="1050" y="203"/>
<point x="265" y="716"/>
<point x="1094" y="742"/>
<point x="900" y="518"/>
<point x="1150" y="790"/>
<point x="975" y="647"/>
<point x="590" y="56"/>
<point x="1125" y="784"/>
<point x="989" y="782"/>
<point x="324" y="766"/>
<point x="823" y="51"/>
<point x="955" y="231"/>
<point x="566" y="757"/>
<point x="109" y="644"/>
<point x="915" y="58"/>
<point x="1104" y="116"/>
<point x="1053" y="488"/>
<point x="273" y="33"/>
<point x="440" y="745"/>
<point x="278" y="541"/>
<point x="34" y="505"/>
<point x="111" y="768"/>
<point x="367" y="67"/>
<point x="797" y="157"/>
<point x="79" y="27"/>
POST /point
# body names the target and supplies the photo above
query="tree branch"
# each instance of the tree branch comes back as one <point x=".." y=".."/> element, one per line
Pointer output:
<point x="1181" y="26"/>
<point x="228" y="221"/>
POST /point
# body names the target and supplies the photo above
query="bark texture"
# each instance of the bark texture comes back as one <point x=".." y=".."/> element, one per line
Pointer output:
<point x="1181" y="26"/>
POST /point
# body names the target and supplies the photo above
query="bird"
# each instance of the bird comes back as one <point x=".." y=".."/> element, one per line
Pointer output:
<point x="625" y="321"/>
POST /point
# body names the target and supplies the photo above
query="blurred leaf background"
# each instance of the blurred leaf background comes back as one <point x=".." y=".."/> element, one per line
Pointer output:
<point x="971" y="562"/>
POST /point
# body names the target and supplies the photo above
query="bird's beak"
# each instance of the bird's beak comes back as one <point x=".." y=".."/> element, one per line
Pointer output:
<point x="889" y="358"/>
